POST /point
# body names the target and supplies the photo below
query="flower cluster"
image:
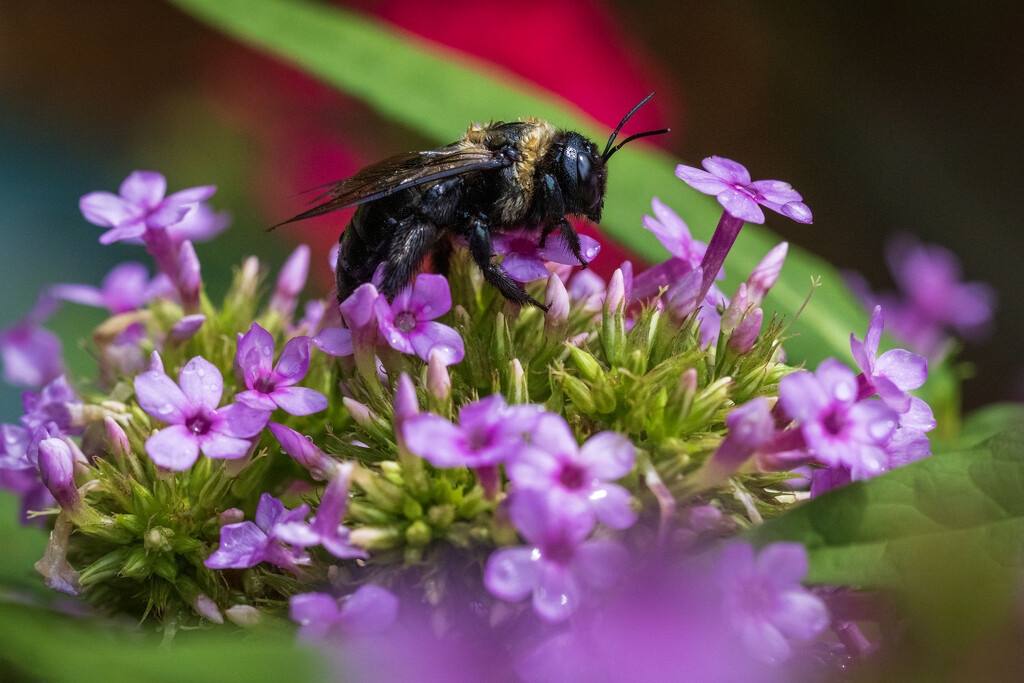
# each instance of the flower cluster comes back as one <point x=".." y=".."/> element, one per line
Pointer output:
<point x="443" y="440"/>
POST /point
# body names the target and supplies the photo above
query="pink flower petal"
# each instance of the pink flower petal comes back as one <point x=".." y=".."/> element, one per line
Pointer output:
<point x="242" y="421"/>
<point x="221" y="447"/>
<point x="106" y="209"/>
<point x="728" y="170"/>
<point x="431" y="297"/>
<point x="300" y="400"/>
<point x="433" y="336"/>
<point x="557" y="594"/>
<point x="161" y="398"/>
<point x="741" y="205"/>
<point x="511" y="573"/>
<point x="202" y="383"/>
<point x="144" y="188"/>
<point x="174" y="448"/>
<point x="702" y="181"/>
<point x="608" y="455"/>
<point x="294" y="361"/>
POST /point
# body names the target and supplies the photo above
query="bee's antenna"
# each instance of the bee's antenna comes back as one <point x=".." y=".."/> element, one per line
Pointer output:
<point x="625" y="118"/>
<point x="608" y="153"/>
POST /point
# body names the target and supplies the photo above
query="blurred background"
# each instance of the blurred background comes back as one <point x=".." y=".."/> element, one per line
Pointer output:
<point x="887" y="117"/>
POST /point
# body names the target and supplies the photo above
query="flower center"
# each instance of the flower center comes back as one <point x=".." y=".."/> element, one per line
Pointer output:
<point x="200" y="423"/>
<point x="521" y="245"/>
<point x="406" y="321"/>
<point x="264" y="385"/>
<point x="478" y="439"/>
<point x="571" y="476"/>
<point x="834" y="422"/>
<point x="559" y="550"/>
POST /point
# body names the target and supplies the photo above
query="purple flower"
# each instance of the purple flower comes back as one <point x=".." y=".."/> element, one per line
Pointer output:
<point x="32" y="354"/>
<point x="246" y="544"/>
<point x="140" y="205"/>
<point x="195" y="422"/>
<point x="557" y="563"/>
<point x="334" y="341"/>
<point x="489" y="432"/>
<point x="524" y="260"/>
<point x="930" y="278"/>
<point x="890" y="375"/>
<point x="556" y="465"/>
<point x="327" y="526"/>
<point x="764" y="601"/>
<point x="271" y="387"/>
<point x="125" y="288"/>
<point x="730" y="182"/>
<point x="371" y="609"/>
<point x="408" y="322"/>
<point x="838" y="428"/>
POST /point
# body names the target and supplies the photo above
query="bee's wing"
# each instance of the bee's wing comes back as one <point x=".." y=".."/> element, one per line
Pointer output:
<point x="402" y="172"/>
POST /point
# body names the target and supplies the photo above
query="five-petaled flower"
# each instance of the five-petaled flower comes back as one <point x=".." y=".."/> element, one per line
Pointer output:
<point x="408" y="323"/>
<point x="838" y="428"/>
<point x="557" y="562"/>
<point x="730" y="182"/>
<point x="555" y="465"/>
<point x="271" y="387"/>
<point x="370" y="609"/>
<point x="764" y="601"/>
<point x="269" y="539"/>
<point x="140" y="204"/>
<point x="195" y="423"/>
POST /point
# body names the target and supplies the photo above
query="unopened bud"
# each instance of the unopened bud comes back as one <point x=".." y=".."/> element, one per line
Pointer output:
<point x="579" y="393"/>
<point x="321" y="466"/>
<point x="117" y="439"/>
<point x="735" y="311"/>
<point x="290" y="282"/>
<point x="245" y="616"/>
<point x="557" y="299"/>
<point x="189" y="280"/>
<point x="585" y="362"/>
<point x="439" y="382"/>
<point x="765" y="274"/>
<point x="745" y="334"/>
<point x="56" y="469"/>
<point x="185" y="329"/>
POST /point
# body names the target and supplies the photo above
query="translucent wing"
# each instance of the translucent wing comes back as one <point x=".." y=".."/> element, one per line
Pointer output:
<point x="402" y="172"/>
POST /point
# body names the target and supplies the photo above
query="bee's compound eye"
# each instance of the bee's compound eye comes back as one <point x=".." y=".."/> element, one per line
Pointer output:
<point x="582" y="169"/>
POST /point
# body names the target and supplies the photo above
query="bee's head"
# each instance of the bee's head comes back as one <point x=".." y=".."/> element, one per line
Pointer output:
<point x="583" y="175"/>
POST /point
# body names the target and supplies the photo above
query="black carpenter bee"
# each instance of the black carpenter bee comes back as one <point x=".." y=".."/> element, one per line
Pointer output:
<point x="497" y="177"/>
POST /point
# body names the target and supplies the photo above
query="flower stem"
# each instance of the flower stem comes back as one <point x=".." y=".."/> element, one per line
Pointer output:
<point x="721" y="242"/>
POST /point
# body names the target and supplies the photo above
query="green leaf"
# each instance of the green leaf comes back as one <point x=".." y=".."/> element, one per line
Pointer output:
<point x="39" y="644"/>
<point x="944" y="534"/>
<point x="22" y="546"/>
<point x="437" y="92"/>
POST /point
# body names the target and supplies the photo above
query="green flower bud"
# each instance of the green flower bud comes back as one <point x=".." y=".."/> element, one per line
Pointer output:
<point x="579" y="393"/>
<point x="604" y="397"/>
<point x="585" y="362"/>
<point x="376" y="538"/>
<point x="104" y="568"/>
<point x="165" y="567"/>
<point x="412" y="509"/>
<point x="418" y="534"/>
<point x="441" y="516"/>
<point x="136" y="565"/>
<point x="158" y="539"/>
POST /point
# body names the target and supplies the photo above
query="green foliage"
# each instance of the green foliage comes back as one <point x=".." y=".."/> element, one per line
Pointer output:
<point x="945" y="535"/>
<point x="40" y="644"/>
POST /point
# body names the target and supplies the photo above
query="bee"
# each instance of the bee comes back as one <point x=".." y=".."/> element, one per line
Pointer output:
<point x="497" y="177"/>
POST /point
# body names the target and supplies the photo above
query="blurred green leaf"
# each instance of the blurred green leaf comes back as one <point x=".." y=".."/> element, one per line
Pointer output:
<point x="984" y="423"/>
<point x="40" y="644"/>
<point x="945" y="534"/>
<point x="22" y="546"/>
<point x="437" y="92"/>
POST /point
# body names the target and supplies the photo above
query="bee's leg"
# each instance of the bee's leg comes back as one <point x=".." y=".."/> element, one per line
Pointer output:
<point x="482" y="249"/>
<point x="572" y="238"/>
<point x="553" y="203"/>
<point x="415" y="236"/>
